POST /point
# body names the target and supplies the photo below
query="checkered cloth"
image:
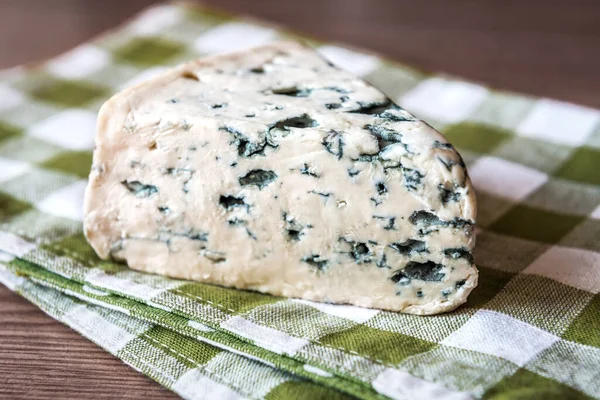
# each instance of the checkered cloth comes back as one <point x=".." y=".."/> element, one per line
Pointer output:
<point x="532" y="327"/>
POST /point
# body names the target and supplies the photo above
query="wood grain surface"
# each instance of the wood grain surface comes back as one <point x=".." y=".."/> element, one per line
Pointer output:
<point x="542" y="47"/>
<point x="42" y="358"/>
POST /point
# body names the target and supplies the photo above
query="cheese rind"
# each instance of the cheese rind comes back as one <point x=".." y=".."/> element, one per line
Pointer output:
<point x="273" y="170"/>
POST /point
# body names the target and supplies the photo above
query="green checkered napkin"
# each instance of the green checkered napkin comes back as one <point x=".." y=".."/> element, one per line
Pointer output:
<point x="532" y="327"/>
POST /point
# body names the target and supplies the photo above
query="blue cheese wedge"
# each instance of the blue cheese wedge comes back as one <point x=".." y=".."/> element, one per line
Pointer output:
<point x="273" y="170"/>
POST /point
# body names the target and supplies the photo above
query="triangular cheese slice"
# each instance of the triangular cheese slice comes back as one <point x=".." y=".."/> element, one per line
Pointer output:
<point x="273" y="170"/>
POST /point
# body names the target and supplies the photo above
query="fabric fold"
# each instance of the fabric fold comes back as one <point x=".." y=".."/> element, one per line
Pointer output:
<point x="177" y="326"/>
<point x="191" y="365"/>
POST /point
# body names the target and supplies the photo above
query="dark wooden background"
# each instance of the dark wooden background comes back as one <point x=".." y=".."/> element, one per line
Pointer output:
<point x="543" y="47"/>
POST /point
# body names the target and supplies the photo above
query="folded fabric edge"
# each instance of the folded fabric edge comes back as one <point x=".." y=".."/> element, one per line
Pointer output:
<point x="25" y="270"/>
<point x="39" y="295"/>
<point x="31" y="253"/>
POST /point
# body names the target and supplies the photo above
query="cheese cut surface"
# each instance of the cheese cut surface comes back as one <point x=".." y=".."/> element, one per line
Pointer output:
<point x="273" y="170"/>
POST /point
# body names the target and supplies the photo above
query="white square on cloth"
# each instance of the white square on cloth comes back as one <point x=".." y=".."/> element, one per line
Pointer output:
<point x="269" y="338"/>
<point x="596" y="213"/>
<point x="505" y="179"/>
<point x="444" y="100"/>
<point x="401" y="385"/>
<point x="156" y="19"/>
<point x="235" y="369"/>
<point x="9" y="97"/>
<point x="7" y="278"/>
<point x="79" y="62"/>
<point x="14" y="245"/>
<point x="113" y="337"/>
<point x="353" y="313"/>
<point x="10" y="169"/>
<point x="233" y="36"/>
<point x="559" y="122"/>
<point x="499" y="335"/>
<point x="72" y="129"/>
<point x="195" y="386"/>
<point x="359" y="64"/>
<point x="574" y="267"/>
<point x="66" y="202"/>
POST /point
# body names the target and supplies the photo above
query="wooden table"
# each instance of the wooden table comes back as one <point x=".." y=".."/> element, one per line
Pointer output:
<point x="543" y="47"/>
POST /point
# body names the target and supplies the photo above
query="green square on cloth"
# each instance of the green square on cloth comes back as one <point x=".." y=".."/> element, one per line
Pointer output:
<point x="530" y="329"/>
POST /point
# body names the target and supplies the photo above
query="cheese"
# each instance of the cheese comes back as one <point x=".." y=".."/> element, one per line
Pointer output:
<point x="275" y="171"/>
